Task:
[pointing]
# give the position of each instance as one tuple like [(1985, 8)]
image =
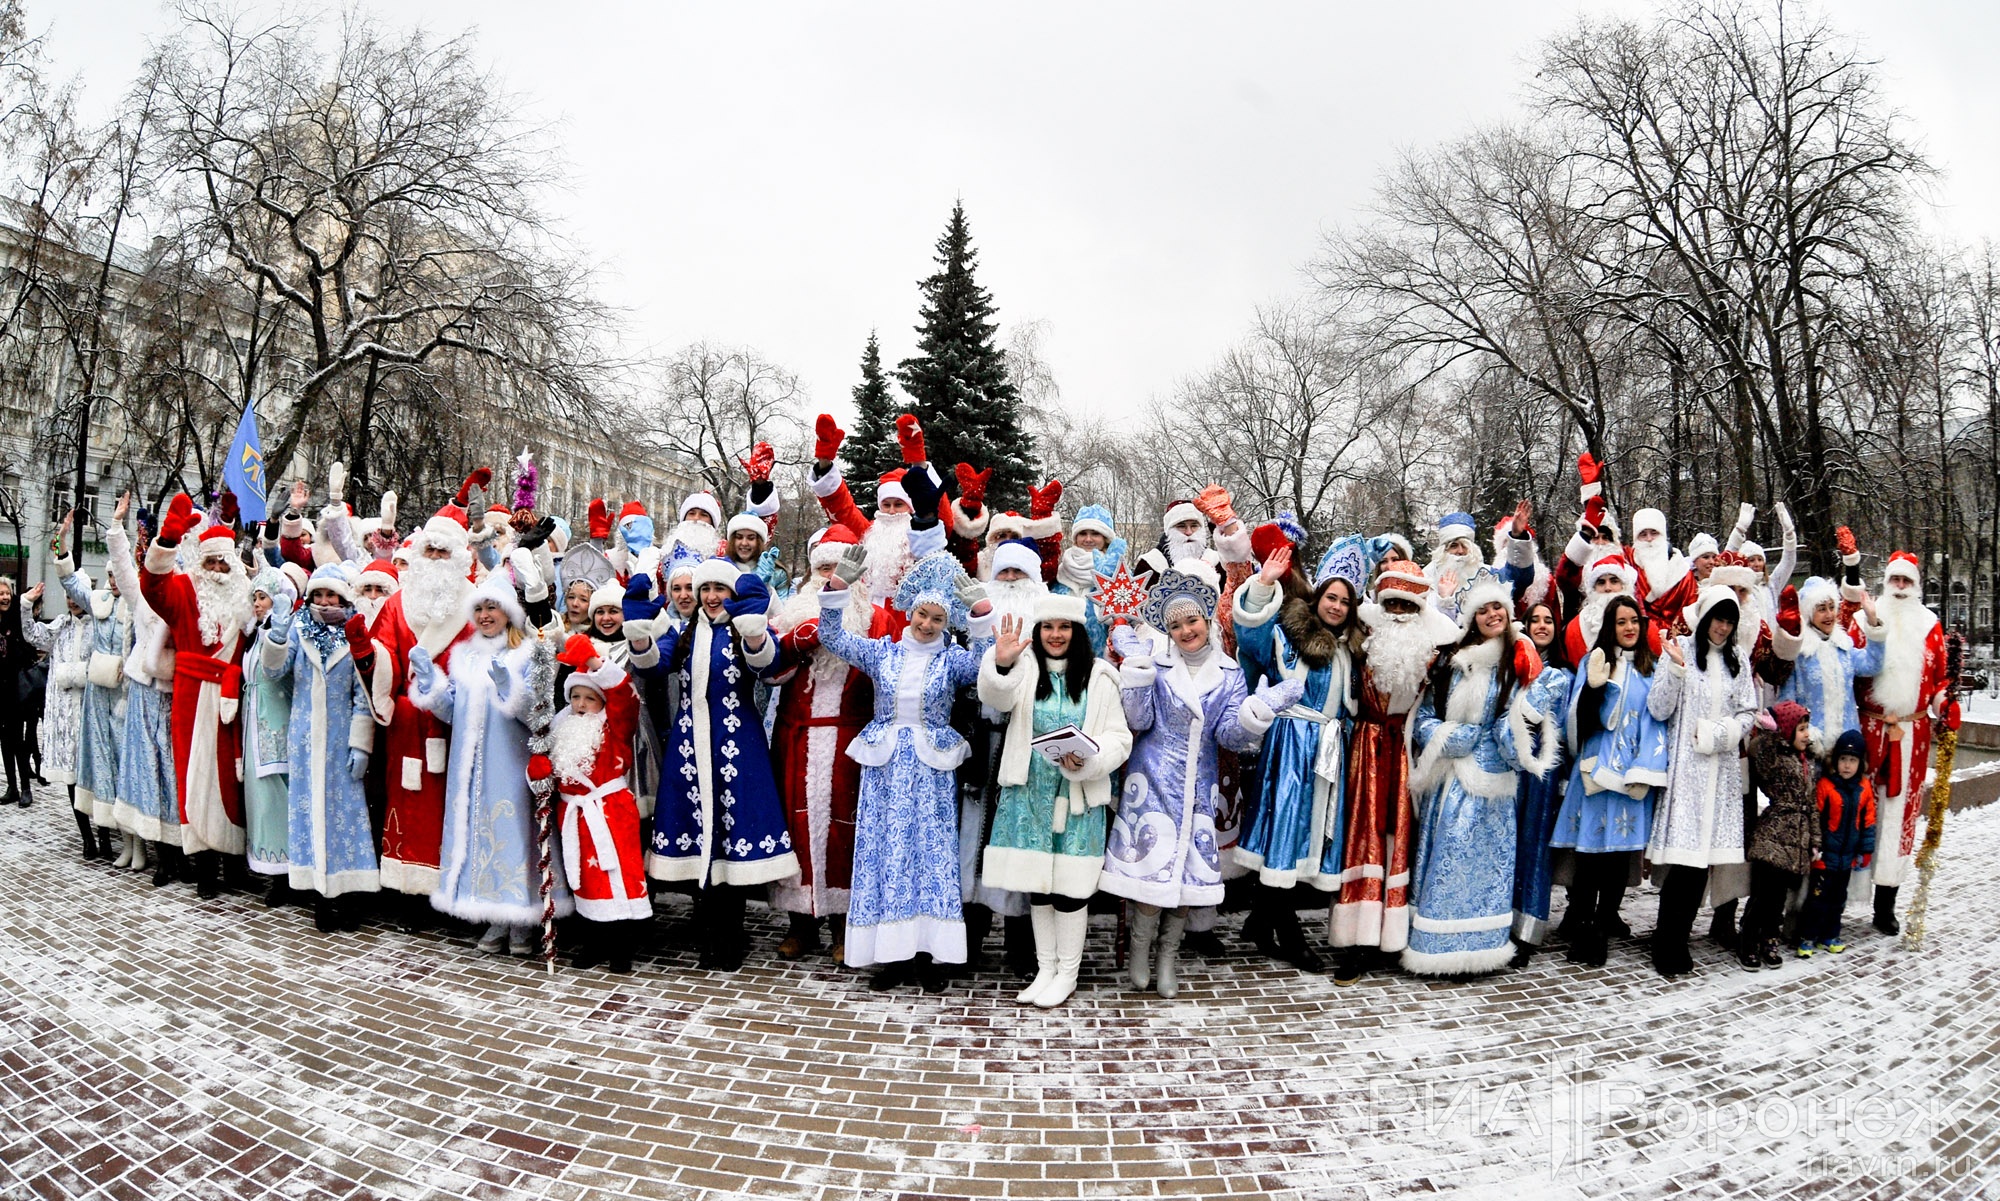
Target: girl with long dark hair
[(1621, 763), (1706, 689)]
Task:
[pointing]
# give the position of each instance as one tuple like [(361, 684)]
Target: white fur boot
[(1071, 931), (1044, 918)]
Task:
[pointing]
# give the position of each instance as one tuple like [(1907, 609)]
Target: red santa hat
[(1903, 565), (1733, 571), (380, 572), (632, 509), (1613, 564), (828, 545), (1179, 511), (1401, 575), (217, 540), (1267, 540), (890, 486)]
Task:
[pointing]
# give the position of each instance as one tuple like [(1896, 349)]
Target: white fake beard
[(1186, 546), (888, 545), (1906, 624), (434, 589), (223, 599), (1652, 557), (1017, 598), (1462, 566), (574, 743), (1590, 615), (1399, 651), (698, 536), (369, 607)]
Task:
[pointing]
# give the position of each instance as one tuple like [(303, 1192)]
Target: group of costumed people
[(957, 714)]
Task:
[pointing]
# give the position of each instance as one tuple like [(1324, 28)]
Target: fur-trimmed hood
[(1309, 636)]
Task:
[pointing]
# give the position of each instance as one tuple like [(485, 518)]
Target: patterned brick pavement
[(153, 1046)]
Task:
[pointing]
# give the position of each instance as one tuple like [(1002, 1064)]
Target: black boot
[(208, 874), (166, 864), (104, 850), (280, 893), (323, 916), (235, 873), (413, 914), (1722, 927), (1292, 945), (350, 911), (1018, 937), (89, 838), (978, 924), (589, 951), (1523, 952), (1258, 928), (1885, 910), (618, 939), (933, 977), (893, 975), (1746, 954), (706, 939), (1349, 964)]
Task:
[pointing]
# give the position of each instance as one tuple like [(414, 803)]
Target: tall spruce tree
[(957, 382), (871, 448)]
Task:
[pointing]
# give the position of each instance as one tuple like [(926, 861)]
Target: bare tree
[(385, 192), (711, 404)]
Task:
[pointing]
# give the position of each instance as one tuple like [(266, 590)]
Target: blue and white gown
[(1464, 779), (330, 845), (1537, 800), (1298, 790), (1822, 680), (1162, 850), (906, 899), (148, 803), (718, 819), (100, 728), (490, 856), (1619, 770)]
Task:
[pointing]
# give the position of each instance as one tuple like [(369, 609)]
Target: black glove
[(536, 534), (924, 493), (271, 528), (760, 491)]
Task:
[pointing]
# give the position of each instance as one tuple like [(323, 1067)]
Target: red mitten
[(827, 437), (179, 519), (972, 485), (1042, 501), (226, 508), (358, 644), (539, 767), (480, 478), (1216, 504), (805, 637), (758, 465), (910, 436), (1527, 662), (1590, 473), (1850, 551), (1788, 610), (600, 519)]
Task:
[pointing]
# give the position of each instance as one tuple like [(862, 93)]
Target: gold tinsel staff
[(1947, 749)]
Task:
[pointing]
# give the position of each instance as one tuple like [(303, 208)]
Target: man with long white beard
[(429, 610), (1457, 554), (207, 612), (823, 703), (698, 526), (1014, 585), (1898, 704), (886, 537), (1667, 585), (1405, 630)]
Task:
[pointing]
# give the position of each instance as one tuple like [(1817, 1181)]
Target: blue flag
[(243, 471)]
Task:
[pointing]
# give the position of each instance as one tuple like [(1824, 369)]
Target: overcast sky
[(1138, 177)]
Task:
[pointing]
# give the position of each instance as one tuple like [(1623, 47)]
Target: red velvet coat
[(414, 751), (208, 678)]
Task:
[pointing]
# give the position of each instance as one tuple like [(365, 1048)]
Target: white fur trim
[(826, 485), (971, 528), (748, 522), (892, 490), (1059, 607), (1176, 514), (1649, 519), (1523, 719), (1459, 963), (705, 502), (1091, 523), (716, 571), (1010, 554)]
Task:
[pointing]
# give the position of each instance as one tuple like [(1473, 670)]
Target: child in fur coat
[(1787, 835)]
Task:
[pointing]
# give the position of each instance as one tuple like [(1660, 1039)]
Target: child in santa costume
[(207, 611), (1898, 704), (590, 757)]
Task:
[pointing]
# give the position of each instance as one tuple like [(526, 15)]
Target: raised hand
[(1597, 669), (1217, 505), (1275, 567), (123, 507), (758, 465), (179, 519), (1844, 539), (1281, 695), (972, 485), (1524, 518), (1042, 501), (1126, 641), (300, 495), (910, 437), (336, 482), (1674, 652), (827, 438), (1009, 642), (423, 672), (503, 679)]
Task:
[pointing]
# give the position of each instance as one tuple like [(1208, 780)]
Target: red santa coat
[(604, 862), (1896, 705), (414, 752), (1666, 601), (825, 703), (208, 678)]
